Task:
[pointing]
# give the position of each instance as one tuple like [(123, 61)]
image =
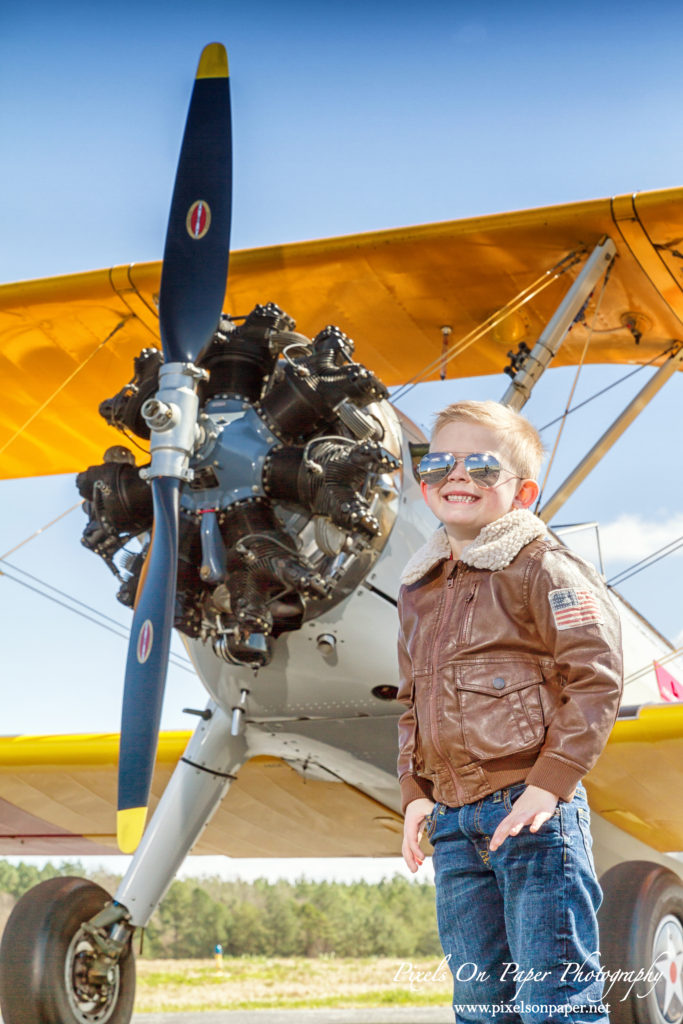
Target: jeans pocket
[(512, 793), (431, 821), (585, 830)]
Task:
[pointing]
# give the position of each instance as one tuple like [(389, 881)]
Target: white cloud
[(630, 538)]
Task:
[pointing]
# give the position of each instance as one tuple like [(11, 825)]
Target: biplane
[(266, 509)]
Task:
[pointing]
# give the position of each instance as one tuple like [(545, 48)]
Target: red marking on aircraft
[(145, 640), (198, 219), (669, 687)]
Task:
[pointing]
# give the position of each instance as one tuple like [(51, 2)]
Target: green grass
[(256, 983)]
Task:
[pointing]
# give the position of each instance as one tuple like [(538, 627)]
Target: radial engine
[(292, 491)]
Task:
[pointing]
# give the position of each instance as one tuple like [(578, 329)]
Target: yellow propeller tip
[(130, 824), (213, 62)]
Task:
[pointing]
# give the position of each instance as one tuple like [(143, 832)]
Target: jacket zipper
[(447, 605)]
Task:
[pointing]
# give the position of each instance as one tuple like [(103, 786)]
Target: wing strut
[(612, 434), (557, 328)]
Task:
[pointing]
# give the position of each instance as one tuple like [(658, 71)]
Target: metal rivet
[(499, 683)]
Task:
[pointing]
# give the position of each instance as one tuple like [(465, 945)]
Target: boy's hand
[(416, 812), (534, 807)]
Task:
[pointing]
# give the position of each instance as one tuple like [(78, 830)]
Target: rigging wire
[(632, 570), (74, 600), (178, 660), (41, 530), (609, 387), (62, 604), (182, 663), (62, 593), (523, 297), (633, 677)]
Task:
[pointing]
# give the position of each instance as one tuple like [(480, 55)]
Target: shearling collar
[(495, 546)]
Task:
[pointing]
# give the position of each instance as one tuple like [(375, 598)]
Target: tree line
[(394, 917)]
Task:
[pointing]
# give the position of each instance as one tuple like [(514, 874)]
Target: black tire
[(44, 953), (640, 919)]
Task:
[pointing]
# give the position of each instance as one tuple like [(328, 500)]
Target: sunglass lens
[(435, 466), (484, 469)]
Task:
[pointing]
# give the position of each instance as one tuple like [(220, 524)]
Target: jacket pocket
[(500, 708), (465, 631), (416, 758)]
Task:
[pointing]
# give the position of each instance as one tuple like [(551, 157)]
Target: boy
[(511, 673)]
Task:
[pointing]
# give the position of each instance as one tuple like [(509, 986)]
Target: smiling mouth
[(465, 499)]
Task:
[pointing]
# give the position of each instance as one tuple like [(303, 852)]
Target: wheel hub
[(92, 982), (667, 960)]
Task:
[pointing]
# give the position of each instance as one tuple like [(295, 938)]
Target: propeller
[(191, 297)]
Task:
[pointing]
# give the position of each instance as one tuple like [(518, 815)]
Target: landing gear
[(641, 932), (52, 970)]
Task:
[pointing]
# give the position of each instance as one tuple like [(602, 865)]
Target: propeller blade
[(148, 649), (191, 299), (198, 238)]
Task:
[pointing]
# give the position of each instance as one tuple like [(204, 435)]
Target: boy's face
[(463, 507)]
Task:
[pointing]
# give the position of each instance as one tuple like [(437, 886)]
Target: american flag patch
[(572, 607)]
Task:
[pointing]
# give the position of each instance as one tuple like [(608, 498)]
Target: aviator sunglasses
[(481, 467)]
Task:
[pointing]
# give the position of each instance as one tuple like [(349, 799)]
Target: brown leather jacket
[(510, 665)]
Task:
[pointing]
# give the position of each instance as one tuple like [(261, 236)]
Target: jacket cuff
[(412, 788), (556, 776)]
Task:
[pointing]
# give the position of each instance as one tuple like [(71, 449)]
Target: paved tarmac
[(389, 1015), (393, 1015)]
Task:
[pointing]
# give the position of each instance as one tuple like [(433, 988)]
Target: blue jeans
[(518, 925)]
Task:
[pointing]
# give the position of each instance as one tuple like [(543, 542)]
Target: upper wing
[(58, 796), (66, 343)]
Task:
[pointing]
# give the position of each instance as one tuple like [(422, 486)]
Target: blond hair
[(519, 439)]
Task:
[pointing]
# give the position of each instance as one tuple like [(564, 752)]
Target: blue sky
[(347, 117)]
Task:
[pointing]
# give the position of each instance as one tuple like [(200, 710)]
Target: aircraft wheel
[(46, 960), (641, 931)]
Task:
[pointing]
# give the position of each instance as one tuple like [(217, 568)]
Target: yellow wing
[(58, 797), (66, 343), (638, 772)]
